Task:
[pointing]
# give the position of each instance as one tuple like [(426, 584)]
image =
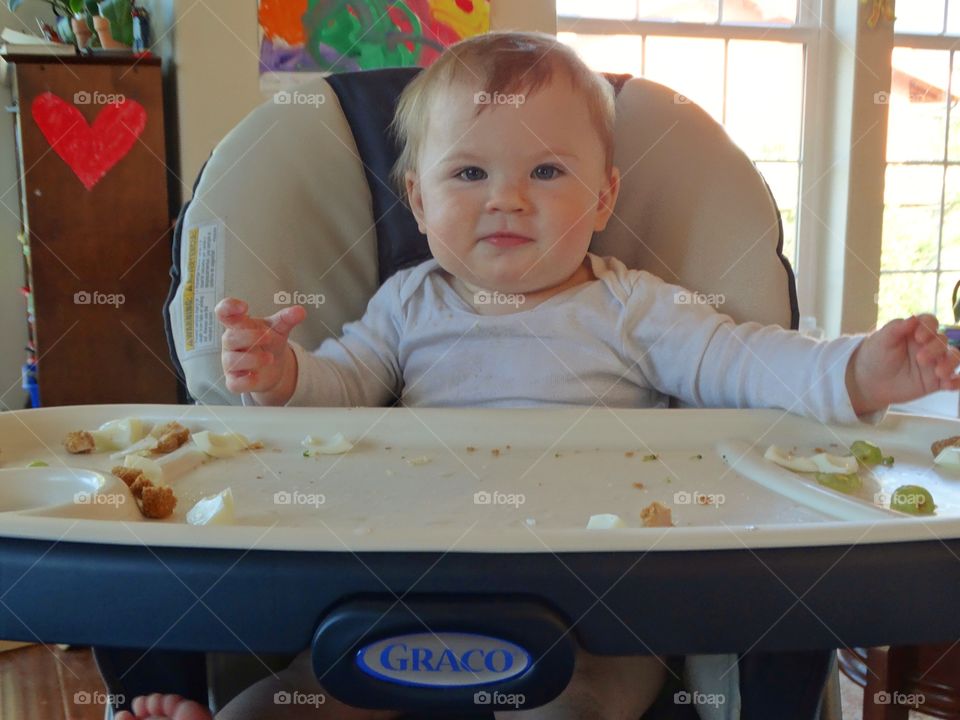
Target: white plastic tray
[(555, 468)]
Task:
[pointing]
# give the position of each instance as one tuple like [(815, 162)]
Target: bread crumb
[(656, 515), (79, 442)]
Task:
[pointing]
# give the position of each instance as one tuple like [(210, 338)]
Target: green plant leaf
[(77, 7), (121, 22)]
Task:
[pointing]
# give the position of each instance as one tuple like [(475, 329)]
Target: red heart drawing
[(89, 150)]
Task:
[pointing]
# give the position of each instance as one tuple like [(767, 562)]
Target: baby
[(509, 195)]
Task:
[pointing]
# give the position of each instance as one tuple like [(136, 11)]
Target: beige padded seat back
[(283, 206)]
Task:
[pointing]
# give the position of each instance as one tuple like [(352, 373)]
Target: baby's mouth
[(503, 239)]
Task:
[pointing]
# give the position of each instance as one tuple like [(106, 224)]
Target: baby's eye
[(547, 172), (471, 173)]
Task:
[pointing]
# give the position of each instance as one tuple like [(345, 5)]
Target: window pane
[(953, 18), (919, 16), (680, 10), (608, 53), (903, 294), (911, 217), (765, 98), (918, 104), (691, 66), (953, 142), (609, 9), (950, 251), (757, 11), (783, 179), (945, 297)]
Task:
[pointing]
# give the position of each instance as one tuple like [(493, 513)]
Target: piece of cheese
[(821, 462), (337, 445), (220, 445), (213, 510)]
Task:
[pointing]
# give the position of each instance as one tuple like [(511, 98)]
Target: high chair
[(296, 202)]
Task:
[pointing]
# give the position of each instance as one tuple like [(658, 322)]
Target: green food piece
[(847, 483), (866, 452), (698, 456), (887, 461), (648, 458), (37, 463), (306, 453), (913, 499)]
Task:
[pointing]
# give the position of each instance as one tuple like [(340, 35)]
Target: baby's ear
[(414, 198), (607, 199)]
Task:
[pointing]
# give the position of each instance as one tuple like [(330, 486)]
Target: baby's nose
[(508, 197)]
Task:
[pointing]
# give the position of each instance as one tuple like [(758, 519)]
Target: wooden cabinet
[(97, 226)]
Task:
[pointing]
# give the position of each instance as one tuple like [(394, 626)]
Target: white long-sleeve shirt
[(626, 339)]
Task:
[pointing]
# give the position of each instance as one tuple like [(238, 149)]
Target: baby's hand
[(256, 356), (902, 361)]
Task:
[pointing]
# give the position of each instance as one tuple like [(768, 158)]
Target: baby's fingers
[(258, 334), (245, 361), (231, 312)]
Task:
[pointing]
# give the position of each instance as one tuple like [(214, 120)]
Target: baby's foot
[(168, 707)]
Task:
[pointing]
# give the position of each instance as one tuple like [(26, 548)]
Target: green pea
[(866, 452), (847, 483), (37, 463), (887, 461), (913, 499)]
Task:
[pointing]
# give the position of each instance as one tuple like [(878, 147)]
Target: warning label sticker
[(202, 288)]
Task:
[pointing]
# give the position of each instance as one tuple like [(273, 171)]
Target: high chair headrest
[(295, 205)]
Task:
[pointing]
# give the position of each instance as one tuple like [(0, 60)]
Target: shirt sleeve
[(700, 356), (359, 368)]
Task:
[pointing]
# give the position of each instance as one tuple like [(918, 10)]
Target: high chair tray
[(478, 502)]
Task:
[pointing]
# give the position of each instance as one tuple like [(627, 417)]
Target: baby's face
[(533, 169)]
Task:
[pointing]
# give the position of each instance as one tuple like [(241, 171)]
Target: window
[(827, 126), (743, 61), (920, 252)]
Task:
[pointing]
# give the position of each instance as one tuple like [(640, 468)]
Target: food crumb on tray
[(656, 515), (79, 442)]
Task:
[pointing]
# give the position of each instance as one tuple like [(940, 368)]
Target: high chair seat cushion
[(299, 196)]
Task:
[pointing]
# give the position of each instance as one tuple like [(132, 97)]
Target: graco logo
[(443, 659)]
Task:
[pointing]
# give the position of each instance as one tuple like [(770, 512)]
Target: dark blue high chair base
[(787, 686)]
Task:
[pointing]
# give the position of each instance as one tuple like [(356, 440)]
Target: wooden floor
[(44, 682)]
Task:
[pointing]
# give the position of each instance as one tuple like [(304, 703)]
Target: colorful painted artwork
[(345, 35)]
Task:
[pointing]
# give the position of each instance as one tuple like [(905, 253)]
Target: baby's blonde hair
[(508, 63)]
